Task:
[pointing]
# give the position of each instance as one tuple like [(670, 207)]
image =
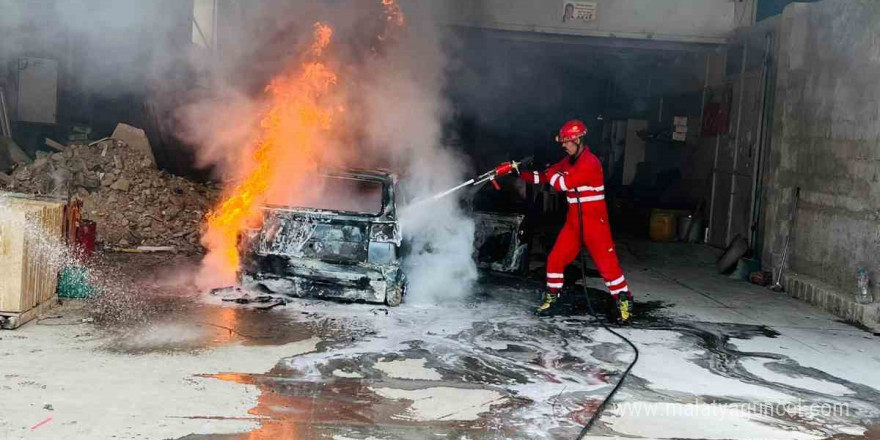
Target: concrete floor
[(720, 359)]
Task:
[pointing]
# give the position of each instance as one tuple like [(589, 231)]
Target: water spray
[(501, 170)]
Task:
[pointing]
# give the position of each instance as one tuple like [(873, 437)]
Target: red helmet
[(572, 130)]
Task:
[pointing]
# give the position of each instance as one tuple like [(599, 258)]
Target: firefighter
[(579, 177)]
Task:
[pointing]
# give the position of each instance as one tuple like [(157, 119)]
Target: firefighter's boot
[(623, 309), (549, 304)]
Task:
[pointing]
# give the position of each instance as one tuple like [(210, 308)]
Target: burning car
[(349, 246), (345, 247)]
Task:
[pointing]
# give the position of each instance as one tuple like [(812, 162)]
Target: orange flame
[(323, 34), (301, 107), (293, 126), (393, 13)]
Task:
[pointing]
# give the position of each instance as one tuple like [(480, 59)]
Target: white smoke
[(221, 126), (105, 47), (394, 86), (440, 265), (397, 93), (407, 110)]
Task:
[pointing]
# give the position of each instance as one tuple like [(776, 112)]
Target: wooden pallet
[(11, 321), (28, 278)]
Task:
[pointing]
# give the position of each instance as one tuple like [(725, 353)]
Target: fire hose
[(505, 169), (601, 408)]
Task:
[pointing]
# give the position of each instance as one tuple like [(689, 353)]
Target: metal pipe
[(714, 184), (761, 140), (660, 111), (705, 92), (714, 180), (202, 34), (736, 139), (214, 23), (5, 127), (754, 12)]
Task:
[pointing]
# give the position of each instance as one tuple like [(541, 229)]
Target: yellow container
[(663, 226)]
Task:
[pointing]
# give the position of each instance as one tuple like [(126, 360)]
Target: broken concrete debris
[(55, 145), (133, 203), (136, 139)]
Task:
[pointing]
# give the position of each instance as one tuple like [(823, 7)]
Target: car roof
[(366, 174)]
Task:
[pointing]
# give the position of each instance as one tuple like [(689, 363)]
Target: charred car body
[(345, 252), (349, 246), (499, 242)]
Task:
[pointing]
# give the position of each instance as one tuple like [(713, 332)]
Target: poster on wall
[(574, 11), (680, 128)]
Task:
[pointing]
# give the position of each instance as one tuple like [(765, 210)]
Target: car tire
[(394, 295), (524, 264)]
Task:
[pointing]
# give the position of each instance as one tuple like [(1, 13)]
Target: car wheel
[(523, 269), (394, 295)]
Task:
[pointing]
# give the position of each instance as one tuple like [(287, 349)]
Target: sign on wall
[(578, 11), (681, 128), (37, 90)]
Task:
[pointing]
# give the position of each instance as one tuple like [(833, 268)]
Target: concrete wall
[(672, 20), (826, 140), (770, 8)]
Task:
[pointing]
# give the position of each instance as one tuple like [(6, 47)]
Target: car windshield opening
[(338, 193)]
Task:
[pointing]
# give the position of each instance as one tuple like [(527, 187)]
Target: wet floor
[(543, 378), (539, 377), (872, 433), (152, 311), (481, 368), (349, 406), (406, 372), (185, 326)]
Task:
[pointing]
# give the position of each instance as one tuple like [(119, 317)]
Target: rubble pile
[(133, 203)]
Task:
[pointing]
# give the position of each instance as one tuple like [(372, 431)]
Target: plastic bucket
[(85, 238), (662, 226), (684, 222)]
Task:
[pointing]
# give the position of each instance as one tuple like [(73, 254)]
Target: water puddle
[(183, 325), (291, 407)]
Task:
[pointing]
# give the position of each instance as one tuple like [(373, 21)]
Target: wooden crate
[(28, 262), (11, 321)]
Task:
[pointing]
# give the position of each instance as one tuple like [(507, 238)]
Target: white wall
[(707, 21)]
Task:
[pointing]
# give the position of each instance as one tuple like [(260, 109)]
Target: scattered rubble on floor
[(133, 203)]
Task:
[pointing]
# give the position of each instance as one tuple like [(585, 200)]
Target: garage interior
[(151, 153)]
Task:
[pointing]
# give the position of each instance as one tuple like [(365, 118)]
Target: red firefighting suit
[(583, 183)]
